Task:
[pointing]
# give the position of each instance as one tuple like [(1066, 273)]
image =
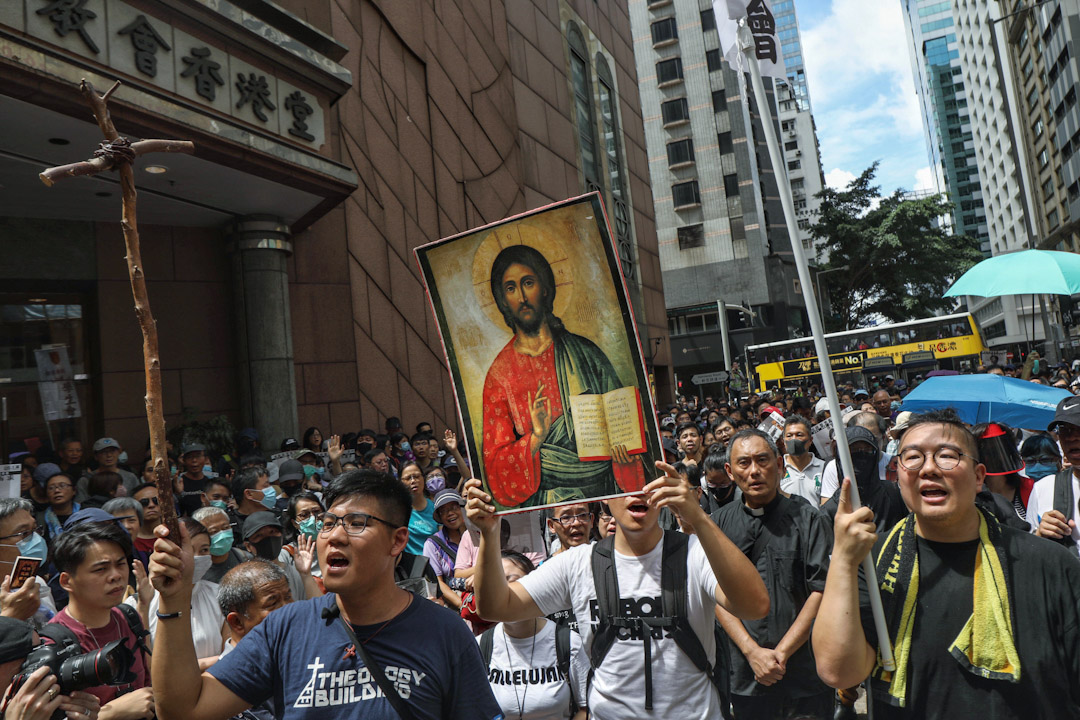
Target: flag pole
[(747, 47)]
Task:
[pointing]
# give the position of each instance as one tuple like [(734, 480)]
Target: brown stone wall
[(459, 115), (187, 273)]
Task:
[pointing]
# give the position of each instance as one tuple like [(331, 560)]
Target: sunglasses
[(148, 501)]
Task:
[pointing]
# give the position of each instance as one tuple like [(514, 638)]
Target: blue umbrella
[(986, 398), (1028, 272)]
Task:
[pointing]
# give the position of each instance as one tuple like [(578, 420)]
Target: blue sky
[(859, 71)]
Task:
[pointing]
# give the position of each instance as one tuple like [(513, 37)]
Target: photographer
[(94, 560), (38, 695)]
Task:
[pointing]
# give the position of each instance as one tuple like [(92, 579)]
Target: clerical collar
[(762, 511)]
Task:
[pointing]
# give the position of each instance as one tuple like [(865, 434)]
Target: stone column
[(260, 246)]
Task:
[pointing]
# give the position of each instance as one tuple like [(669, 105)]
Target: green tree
[(899, 258)]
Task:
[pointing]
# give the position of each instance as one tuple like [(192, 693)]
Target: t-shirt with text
[(524, 675)]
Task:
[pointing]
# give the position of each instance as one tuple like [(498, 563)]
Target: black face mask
[(291, 489), (865, 467), (796, 447), (268, 548)]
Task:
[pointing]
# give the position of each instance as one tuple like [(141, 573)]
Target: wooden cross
[(118, 153)]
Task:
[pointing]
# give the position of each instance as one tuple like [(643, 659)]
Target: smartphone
[(25, 569)]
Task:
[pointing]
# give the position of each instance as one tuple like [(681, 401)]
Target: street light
[(821, 303), (722, 308)]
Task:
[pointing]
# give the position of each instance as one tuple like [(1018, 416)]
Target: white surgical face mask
[(201, 566)]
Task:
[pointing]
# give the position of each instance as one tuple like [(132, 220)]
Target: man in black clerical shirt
[(772, 666), (984, 619)]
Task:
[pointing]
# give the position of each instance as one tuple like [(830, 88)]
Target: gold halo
[(543, 238)]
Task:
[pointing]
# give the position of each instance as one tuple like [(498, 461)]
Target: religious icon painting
[(539, 335)]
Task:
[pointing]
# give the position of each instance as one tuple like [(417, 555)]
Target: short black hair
[(752, 433), (714, 460), (69, 549), (422, 424), (797, 420), (521, 560), (390, 493), (949, 418), (420, 437), (142, 486), (218, 481), (686, 426), (371, 455), (246, 479), (692, 472), (367, 431)]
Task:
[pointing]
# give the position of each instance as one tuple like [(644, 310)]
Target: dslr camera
[(76, 670)]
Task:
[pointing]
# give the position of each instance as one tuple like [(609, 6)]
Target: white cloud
[(924, 179), (839, 179)]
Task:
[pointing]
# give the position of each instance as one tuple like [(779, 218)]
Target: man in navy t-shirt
[(302, 656)]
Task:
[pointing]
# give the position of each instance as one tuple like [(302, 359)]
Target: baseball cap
[(249, 433), (302, 452), (289, 444), (88, 515), (290, 470), (860, 434), (1068, 412), (256, 521), (193, 447), (668, 422), (889, 377), (902, 421), (445, 497), (43, 472), (822, 406), (769, 409), (16, 639), (861, 391), (105, 442)]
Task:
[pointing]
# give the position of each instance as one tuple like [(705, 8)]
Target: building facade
[(946, 115), (331, 139), (719, 222)]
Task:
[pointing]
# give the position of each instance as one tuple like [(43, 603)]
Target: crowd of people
[(367, 575)]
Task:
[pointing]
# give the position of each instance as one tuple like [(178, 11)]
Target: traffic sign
[(713, 377)]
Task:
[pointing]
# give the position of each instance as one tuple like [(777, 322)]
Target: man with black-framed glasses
[(984, 620), (1053, 509), (572, 525), (329, 656), (18, 536)]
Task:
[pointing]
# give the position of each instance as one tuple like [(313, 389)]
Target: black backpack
[(63, 635), (673, 586), (562, 655)]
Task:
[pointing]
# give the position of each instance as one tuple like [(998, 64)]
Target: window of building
[(674, 111), (719, 101), (800, 204), (724, 141), (669, 70), (791, 145), (664, 31), (794, 164), (1044, 158), (685, 194), (712, 59), (620, 210), (1048, 189), (708, 19), (1052, 219), (583, 106), (798, 184), (1029, 67), (1037, 128), (691, 236), (680, 151), (804, 224), (731, 185)]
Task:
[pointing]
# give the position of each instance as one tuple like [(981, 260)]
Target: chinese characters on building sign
[(129, 41)]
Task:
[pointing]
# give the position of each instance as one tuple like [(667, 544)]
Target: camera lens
[(107, 666)]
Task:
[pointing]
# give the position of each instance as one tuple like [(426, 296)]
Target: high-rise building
[(939, 83), (720, 224), (1002, 159), (331, 140), (798, 132)]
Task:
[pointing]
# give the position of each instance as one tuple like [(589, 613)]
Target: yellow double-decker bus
[(903, 350)]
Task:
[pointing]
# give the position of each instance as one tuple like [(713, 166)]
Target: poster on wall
[(544, 355), (56, 384)]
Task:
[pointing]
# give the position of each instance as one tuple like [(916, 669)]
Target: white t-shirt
[(206, 618), (524, 675), (680, 690), (829, 482), (1041, 501), (806, 482)]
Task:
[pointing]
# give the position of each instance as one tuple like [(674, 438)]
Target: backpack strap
[(60, 634), (135, 623), (487, 645), (1064, 502), (562, 660), (445, 547), (673, 585)]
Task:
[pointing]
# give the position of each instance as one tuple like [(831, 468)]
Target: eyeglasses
[(354, 523), (946, 458), (148, 501), (568, 520), (305, 514), (1040, 459), (20, 535)]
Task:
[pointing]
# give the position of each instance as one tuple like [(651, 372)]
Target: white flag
[(762, 23)]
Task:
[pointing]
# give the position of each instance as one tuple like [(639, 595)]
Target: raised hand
[(854, 532), (334, 449), (20, 603), (450, 440), (305, 554), (478, 507), (673, 490), (539, 413), (171, 567)]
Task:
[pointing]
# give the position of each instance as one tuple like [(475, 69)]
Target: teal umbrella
[(1034, 272)]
